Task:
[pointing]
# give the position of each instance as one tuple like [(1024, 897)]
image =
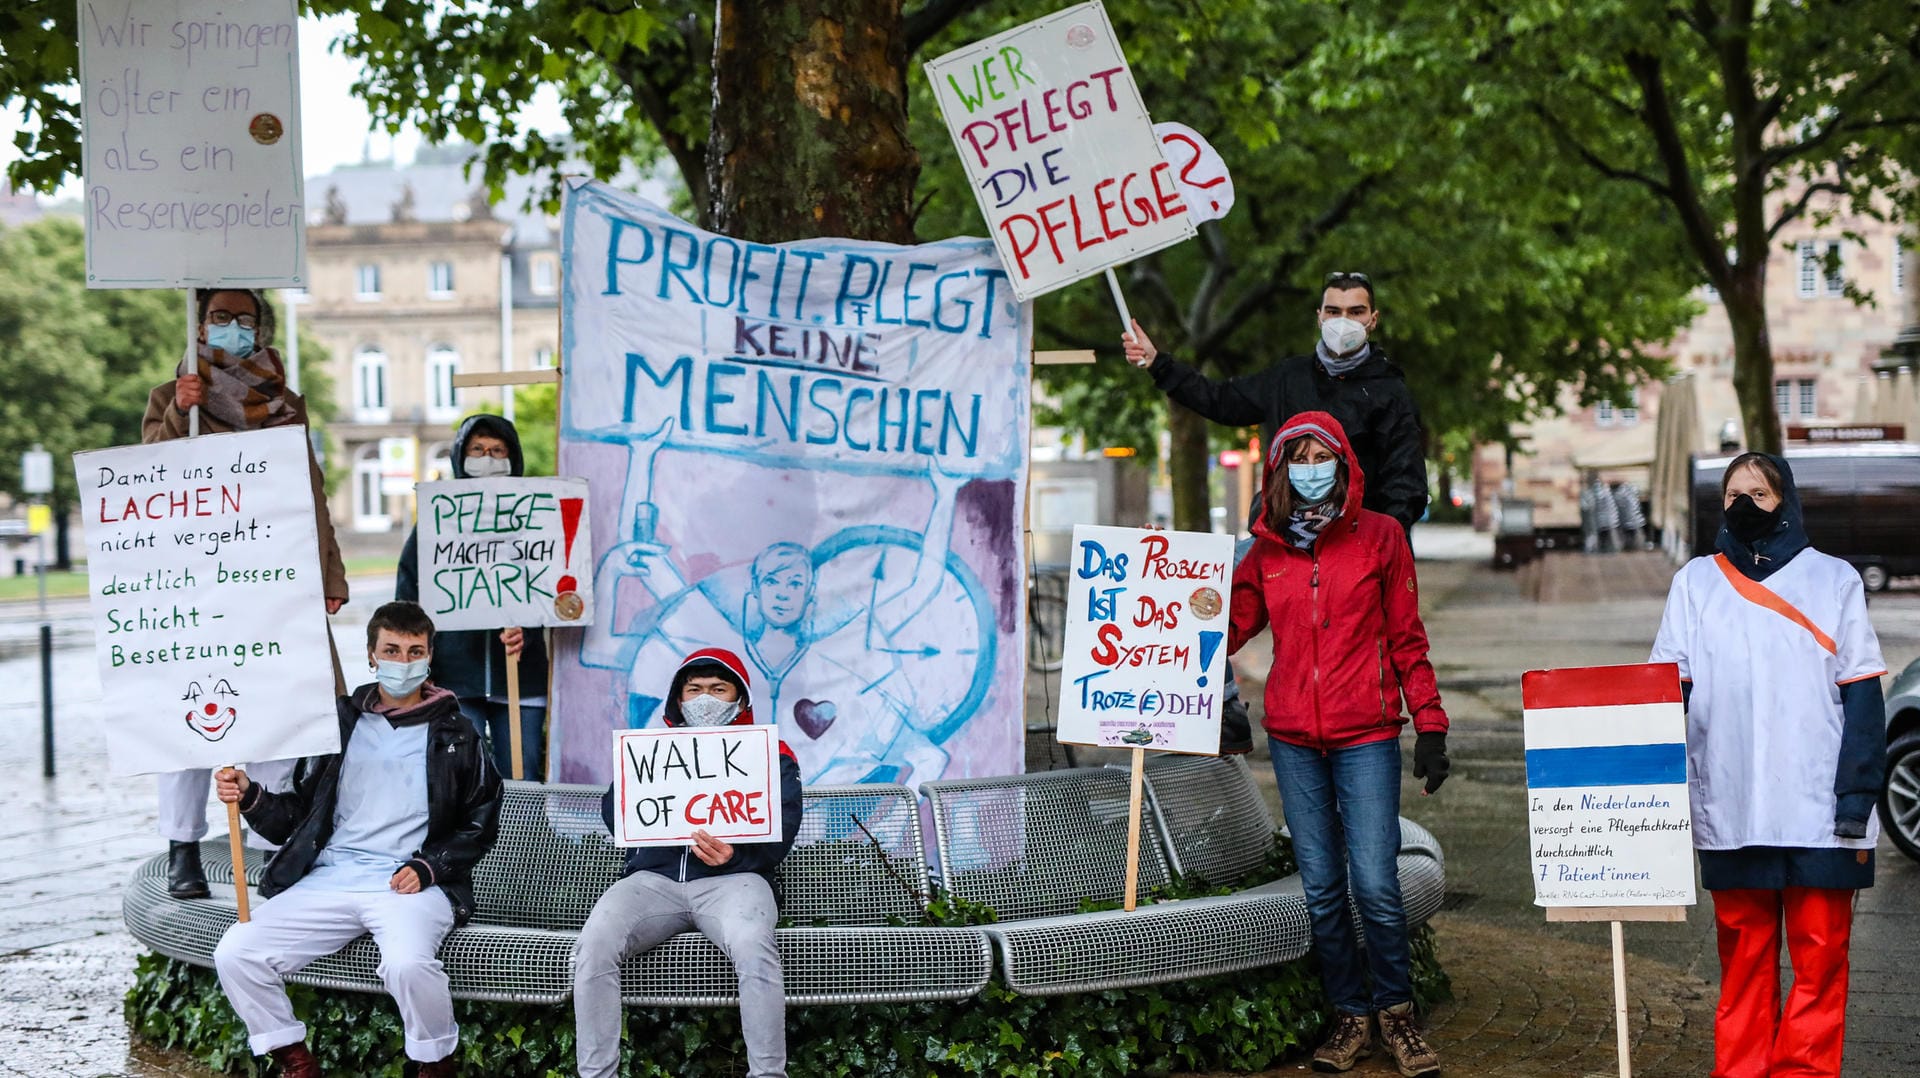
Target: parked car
[(1900, 799), (1861, 501)]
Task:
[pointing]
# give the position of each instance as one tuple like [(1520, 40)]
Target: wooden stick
[(239, 859), (506, 378), (193, 413), (1620, 999), (513, 715), (1133, 827), (1049, 359), (1120, 303)]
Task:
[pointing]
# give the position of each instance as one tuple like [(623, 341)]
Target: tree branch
[(1592, 159), (1263, 294), (1695, 221), (932, 17), (1793, 210), (650, 79)]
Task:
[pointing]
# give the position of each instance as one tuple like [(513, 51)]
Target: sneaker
[(1410, 1051), (1349, 1042), (185, 878)]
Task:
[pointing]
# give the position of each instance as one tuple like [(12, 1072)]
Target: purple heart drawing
[(814, 719)]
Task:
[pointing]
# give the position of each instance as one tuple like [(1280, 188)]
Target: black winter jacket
[(1372, 403), (463, 804), (679, 863)]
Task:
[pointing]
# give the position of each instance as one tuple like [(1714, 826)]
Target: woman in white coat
[(1785, 756)]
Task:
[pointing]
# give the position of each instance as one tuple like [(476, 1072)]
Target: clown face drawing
[(212, 714)]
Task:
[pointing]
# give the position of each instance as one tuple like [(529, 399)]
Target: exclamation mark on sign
[(1209, 643), (566, 601)]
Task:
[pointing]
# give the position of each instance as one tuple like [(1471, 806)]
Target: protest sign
[(1145, 654), (496, 553), (190, 114), (1060, 151), (204, 574), (1205, 184), (724, 780), (812, 455), (1607, 800)]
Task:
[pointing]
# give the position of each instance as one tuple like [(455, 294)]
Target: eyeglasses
[(497, 452), (227, 318), (1348, 275)]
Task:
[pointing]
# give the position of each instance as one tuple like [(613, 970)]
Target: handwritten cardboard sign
[(204, 574), (724, 780), (1145, 659), (190, 113), (1060, 151), (1607, 786), (1205, 183), (502, 552)]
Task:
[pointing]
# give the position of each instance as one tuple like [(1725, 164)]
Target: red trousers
[(1752, 1036)]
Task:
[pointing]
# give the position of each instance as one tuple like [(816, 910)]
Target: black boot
[(184, 876)]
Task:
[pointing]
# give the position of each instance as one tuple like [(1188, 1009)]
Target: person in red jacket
[(1335, 584)]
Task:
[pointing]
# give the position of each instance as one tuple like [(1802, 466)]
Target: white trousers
[(184, 795), (304, 923)]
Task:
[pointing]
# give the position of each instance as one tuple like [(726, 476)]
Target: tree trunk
[(809, 133), (1187, 469), (1746, 307)]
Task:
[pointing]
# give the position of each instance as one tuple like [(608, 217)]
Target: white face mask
[(1342, 335), (488, 467), (707, 710)]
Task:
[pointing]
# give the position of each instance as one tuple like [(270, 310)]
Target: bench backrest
[(1216, 825), (1042, 844)]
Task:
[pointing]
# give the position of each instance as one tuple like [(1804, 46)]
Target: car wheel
[(1900, 800), (1874, 577)]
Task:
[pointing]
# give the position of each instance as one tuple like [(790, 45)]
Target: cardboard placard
[(511, 551), (724, 780), (204, 573), (1145, 659)]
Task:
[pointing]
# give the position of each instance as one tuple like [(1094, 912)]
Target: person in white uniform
[(1781, 672), (381, 837)]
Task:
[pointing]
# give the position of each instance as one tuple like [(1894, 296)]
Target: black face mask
[(1749, 523)]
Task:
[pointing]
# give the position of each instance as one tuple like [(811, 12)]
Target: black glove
[(1850, 828), (1430, 759), (1236, 733)]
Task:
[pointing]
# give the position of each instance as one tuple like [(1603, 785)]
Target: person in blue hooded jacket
[(1780, 670)]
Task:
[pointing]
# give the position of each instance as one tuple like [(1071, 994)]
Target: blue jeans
[(489, 717), (1343, 807)]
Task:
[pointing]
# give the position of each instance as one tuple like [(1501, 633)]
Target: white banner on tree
[(723, 780), (204, 573), (190, 133), (502, 552), (1060, 151), (1145, 654)]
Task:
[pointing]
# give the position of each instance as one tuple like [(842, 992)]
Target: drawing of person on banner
[(862, 681)]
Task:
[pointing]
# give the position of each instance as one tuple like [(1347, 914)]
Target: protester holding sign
[(1781, 673), (1335, 583), (722, 890), (472, 663), (237, 380), (1347, 375), (380, 838)]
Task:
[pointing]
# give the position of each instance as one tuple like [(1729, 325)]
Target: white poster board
[(1060, 151), (204, 575), (1145, 655), (495, 553), (1607, 811), (1205, 184), (724, 780), (190, 114)]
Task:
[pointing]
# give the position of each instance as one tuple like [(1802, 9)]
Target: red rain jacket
[(1348, 644)]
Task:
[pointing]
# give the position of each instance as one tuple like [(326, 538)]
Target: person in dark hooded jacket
[(472, 663), (1780, 671), (721, 890), (1335, 584)]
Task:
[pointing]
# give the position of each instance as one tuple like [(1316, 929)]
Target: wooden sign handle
[(239, 852), (513, 715), (1620, 1000), (1133, 827)]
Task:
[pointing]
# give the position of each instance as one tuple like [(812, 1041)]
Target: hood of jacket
[(704, 657), (1328, 430), (1761, 559), (494, 426), (434, 702)]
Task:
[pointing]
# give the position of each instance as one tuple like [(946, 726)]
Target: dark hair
[(1280, 493), (262, 311), (1761, 463), (1349, 280), (403, 618)]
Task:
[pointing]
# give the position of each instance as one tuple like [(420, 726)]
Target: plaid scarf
[(1308, 521), (246, 392)]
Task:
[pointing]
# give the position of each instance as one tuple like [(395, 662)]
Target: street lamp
[(36, 481)]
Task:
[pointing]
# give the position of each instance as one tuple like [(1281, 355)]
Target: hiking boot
[(1410, 1051), (185, 878), (1349, 1042), (294, 1061)]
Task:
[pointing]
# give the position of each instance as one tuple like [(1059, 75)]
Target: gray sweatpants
[(645, 909)]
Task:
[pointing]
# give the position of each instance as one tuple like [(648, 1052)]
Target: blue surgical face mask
[(401, 679), (233, 338), (1313, 481)]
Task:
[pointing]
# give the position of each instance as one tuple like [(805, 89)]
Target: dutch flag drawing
[(1605, 726)]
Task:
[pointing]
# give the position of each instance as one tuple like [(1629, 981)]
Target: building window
[(366, 282), (439, 280), (546, 275), (369, 507), (1630, 412), (370, 386), (1603, 414), (1796, 398), (1815, 278), (1806, 396), (543, 358), (1609, 413), (443, 400), (1899, 265)]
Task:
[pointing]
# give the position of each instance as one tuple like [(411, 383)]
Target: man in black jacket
[(716, 888), (1347, 377), (380, 837)]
